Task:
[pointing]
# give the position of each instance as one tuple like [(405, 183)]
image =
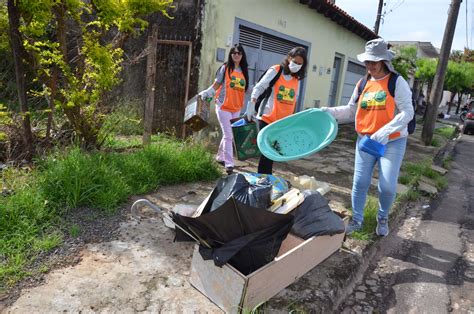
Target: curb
[(323, 289)]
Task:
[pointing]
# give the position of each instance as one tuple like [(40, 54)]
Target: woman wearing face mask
[(283, 97), (229, 87)]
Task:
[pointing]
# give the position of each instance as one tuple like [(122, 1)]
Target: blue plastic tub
[(298, 135), (372, 147)]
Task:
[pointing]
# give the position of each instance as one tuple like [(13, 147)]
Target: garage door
[(264, 50), (353, 74)]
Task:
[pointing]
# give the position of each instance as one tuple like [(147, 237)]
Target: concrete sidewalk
[(144, 270)]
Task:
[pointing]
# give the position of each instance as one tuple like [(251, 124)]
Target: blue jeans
[(389, 169)]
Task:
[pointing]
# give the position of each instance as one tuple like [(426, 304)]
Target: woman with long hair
[(281, 101), (229, 87)]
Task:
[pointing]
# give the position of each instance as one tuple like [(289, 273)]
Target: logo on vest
[(374, 100), (237, 83), (286, 95)]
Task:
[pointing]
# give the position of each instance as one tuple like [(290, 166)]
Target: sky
[(414, 20)]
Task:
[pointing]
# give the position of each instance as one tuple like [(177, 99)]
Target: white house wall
[(284, 16)]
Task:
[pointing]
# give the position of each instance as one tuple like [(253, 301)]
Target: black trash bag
[(243, 236), (255, 195), (314, 217)]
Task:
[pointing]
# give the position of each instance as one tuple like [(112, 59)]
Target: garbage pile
[(247, 216)]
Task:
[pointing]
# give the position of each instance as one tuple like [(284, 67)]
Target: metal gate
[(173, 66), (353, 74)]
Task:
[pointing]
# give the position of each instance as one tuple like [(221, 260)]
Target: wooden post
[(188, 75), (150, 86)]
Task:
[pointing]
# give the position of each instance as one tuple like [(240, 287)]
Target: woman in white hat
[(382, 110)]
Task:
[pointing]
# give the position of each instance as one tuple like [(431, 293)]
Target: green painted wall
[(285, 16)]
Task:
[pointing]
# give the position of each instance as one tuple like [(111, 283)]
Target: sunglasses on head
[(236, 53)]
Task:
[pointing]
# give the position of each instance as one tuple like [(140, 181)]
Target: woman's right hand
[(250, 112)]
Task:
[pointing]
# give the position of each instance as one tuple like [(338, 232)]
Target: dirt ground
[(139, 267)]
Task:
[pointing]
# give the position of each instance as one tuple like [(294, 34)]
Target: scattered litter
[(425, 206)]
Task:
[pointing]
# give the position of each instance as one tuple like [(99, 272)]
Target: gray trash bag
[(314, 217)]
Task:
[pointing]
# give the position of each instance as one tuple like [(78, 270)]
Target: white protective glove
[(250, 112), (323, 108), (207, 93), (380, 136)]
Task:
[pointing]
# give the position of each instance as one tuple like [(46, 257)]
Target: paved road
[(427, 265)]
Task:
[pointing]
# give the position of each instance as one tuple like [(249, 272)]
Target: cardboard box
[(196, 114), (234, 292)]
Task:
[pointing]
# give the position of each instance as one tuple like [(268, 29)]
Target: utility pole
[(379, 15), (438, 82)]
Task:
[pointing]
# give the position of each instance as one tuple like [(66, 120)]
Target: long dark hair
[(243, 63), (296, 52)]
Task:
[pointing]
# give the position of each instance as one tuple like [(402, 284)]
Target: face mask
[(294, 67)]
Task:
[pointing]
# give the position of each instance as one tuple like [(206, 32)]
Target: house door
[(353, 74), (264, 50), (334, 81)]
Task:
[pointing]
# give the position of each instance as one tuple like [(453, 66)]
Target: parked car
[(469, 122)]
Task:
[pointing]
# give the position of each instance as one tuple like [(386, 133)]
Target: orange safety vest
[(284, 99), (234, 91), (376, 108)]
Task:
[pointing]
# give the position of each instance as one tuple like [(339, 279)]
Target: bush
[(125, 119)]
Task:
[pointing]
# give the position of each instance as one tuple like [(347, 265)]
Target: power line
[(395, 6)]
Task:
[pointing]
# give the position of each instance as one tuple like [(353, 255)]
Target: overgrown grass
[(409, 196), (446, 132), (412, 172), (370, 220), (435, 141), (31, 217), (447, 162)]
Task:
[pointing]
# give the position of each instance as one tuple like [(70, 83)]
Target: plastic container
[(372, 147), (298, 135), (240, 122)]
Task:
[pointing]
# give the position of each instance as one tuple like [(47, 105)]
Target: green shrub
[(125, 118)]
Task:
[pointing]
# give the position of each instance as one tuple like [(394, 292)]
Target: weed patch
[(370, 220), (31, 216), (446, 132)]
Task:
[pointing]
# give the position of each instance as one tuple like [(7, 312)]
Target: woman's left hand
[(379, 137)]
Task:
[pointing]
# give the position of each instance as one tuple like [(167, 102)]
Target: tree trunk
[(438, 83), (459, 103), (87, 132), (451, 101), (428, 104), (14, 21)]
